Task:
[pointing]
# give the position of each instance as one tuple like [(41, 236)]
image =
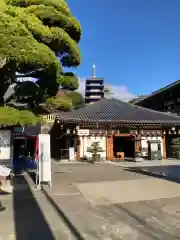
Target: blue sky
[(135, 44)]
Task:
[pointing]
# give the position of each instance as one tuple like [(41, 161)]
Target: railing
[(50, 118)]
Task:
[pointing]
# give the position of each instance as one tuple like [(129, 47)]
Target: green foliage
[(18, 45), (60, 5), (27, 118), (59, 103), (137, 99), (69, 81), (2, 5), (54, 17), (33, 31), (48, 82), (32, 34), (10, 116), (76, 98), (95, 148)]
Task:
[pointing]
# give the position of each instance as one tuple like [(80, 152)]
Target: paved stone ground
[(64, 212), (86, 172), (168, 169), (133, 190), (147, 163)]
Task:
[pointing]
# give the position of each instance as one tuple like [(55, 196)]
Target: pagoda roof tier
[(114, 111)]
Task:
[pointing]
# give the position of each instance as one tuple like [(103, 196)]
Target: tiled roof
[(116, 111), (163, 89)]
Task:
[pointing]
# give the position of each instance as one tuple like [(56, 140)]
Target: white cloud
[(122, 92), (82, 82), (119, 91)]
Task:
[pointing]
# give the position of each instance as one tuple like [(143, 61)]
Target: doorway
[(60, 146), (172, 146), (125, 145), (24, 153)]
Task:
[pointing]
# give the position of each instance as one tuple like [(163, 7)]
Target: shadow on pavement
[(170, 173), (62, 216), (28, 218)]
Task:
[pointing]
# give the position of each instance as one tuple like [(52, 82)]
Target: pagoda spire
[(94, 71)]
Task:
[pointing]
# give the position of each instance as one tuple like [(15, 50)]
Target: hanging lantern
[(62, 126), (169, 132), (77, 128), (68, 131), (74, 131), (164, 132)]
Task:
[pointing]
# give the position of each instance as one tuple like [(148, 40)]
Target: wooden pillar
[(137, 145), (164, 146), (110, 153), (78, 148)]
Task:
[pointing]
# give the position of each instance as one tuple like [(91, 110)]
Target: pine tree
[(38, 38)]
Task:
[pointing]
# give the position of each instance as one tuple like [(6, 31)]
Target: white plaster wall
[(144, 143), (5, 145), (5, 148), (87, 141)]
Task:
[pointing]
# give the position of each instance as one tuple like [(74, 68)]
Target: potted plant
[(95, 149)]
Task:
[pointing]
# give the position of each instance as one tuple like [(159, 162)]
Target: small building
[(166, 99), (16, 143), (123, 131)]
